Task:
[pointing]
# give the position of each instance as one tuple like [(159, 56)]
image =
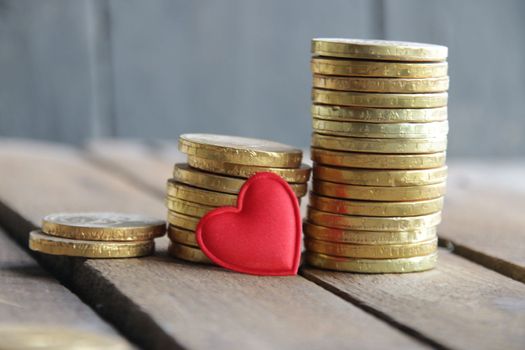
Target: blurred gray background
[(74, 70)]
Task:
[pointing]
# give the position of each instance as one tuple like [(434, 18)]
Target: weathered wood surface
[(458, 305), (160, 302), (483, 217), (29, 296)]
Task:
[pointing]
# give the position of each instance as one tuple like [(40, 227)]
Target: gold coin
[(367, 237), (362, 68), (401, 265), (367, 177), (183, 221), (379, 193), (182, 236), (188, 253), (391, 251), (379, 115), (366, 208), (200, 196), (378, 49), (103, 226), (187, 208), (371, 145), (40, 242), (365, 99), (399, 85), (41, 337), (240, 150), (372, 223), (378, 161), (292, 175), (389, 131), (190, 176)]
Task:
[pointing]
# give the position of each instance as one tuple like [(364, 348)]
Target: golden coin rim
[(199, 195), (337, 235), (379, 115), (390, 85), (182, 236), (292, 175), (401, 265), (186, 207), (377, 145), (373, 223), (187, 253), (39, 241)]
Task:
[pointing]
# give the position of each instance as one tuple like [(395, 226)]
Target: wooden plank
[(483, 216), (163, 303), (480, 34), (460, 305), (29, 296), (415, 309), (51, 77)]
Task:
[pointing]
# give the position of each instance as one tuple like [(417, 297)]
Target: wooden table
[(474, 299)]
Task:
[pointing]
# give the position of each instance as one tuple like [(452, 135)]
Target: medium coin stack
[(217, 168), (97, 235), (378, 145)]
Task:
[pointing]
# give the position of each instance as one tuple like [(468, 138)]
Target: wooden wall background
[(74, 70)]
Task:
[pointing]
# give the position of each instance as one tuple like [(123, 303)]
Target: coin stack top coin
[(379, 118), (97, 235), (217, 167)]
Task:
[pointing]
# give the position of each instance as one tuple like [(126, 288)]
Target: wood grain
[(483, 214), (460, 304), (30, 296), (163, 303)]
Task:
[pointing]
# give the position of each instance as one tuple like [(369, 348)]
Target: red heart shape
[(262, 235)]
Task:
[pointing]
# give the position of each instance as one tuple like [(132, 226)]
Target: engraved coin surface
[(103, 226)]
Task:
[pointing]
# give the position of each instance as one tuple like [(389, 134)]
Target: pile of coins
[(97, 235), (380, 135), (217, 168)]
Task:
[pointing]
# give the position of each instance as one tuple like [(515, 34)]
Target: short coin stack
[(217, 168), (378, 146), (97, 235)]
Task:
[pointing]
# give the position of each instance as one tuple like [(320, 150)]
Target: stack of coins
[(97, 235), (217, 167), (378, 146)]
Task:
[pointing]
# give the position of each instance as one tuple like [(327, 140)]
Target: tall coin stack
[(380, 135), (217, 168)]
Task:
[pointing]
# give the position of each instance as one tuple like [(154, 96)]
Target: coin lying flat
[(376, 251), (371, 177), (188, 208), (373, 208), (378, 49), (401, 265), (188, 253), (365, 99), (199, 195), (182, 236), (194, 177), (377, 145), (399, 85), (40, 242), (103, 226), (371, 223), (378, 161), (367, 237), (379, 115), (240, 150), (292, 175), (183, 221), (379, 193), (382, 131), (40, 337), (361, 68)]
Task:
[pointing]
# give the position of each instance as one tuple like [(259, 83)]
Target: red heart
[(262, 235)]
